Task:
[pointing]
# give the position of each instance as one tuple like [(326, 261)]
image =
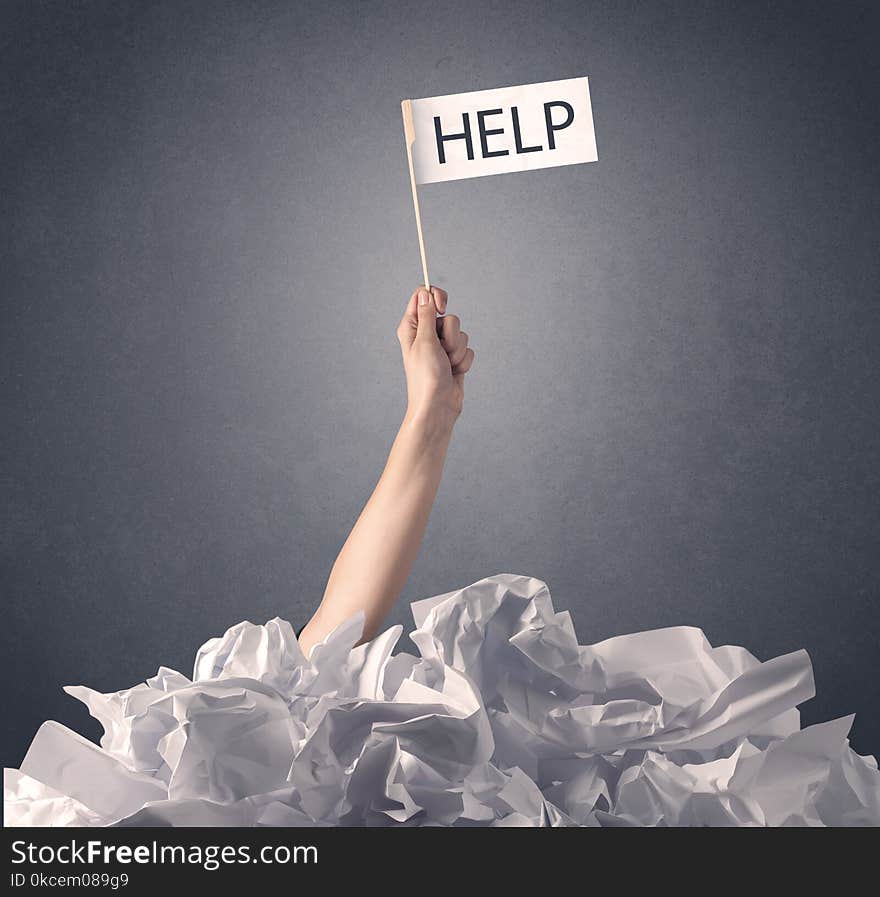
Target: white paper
[(501, 719), (508, 129)]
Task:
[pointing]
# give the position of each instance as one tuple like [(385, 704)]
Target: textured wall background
[(207, 240)]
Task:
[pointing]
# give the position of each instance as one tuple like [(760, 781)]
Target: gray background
[(207, 240)]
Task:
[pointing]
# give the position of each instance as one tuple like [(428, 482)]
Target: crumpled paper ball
[(502, 719)]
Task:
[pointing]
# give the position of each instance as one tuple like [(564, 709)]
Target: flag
[(467, 135)]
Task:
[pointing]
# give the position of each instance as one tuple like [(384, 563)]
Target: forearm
[(377, 557)]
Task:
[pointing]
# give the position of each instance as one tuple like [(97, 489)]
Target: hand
[(370, 571), (435, 357)]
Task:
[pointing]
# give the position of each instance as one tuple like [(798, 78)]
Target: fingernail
[(423, 297)]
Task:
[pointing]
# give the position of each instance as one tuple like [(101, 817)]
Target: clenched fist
[(435, 357)]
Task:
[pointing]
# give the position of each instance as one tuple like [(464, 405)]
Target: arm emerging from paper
[(377, 557)]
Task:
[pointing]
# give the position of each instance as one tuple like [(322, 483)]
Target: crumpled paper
[(502, 719)]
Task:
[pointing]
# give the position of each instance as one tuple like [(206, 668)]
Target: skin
[(376, 559)]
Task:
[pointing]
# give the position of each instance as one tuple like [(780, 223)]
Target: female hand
[(435, 357), (379, 553)]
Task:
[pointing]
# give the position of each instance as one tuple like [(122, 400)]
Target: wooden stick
[(409, 133)]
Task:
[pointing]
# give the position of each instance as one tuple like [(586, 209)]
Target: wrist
[(430, 424)]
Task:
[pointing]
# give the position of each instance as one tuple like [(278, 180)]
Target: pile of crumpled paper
[(502, 719)]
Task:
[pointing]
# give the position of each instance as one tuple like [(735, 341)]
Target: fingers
[(409, 323), (459, 350), (453, 339), (427, 316), (465, 364), (449, 328), (440, 299)]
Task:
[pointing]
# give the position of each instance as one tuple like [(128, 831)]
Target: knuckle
[(450, 331)]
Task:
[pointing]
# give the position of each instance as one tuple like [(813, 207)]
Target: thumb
[(427, 312)]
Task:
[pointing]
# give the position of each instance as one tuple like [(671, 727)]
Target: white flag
[(469, 135)]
